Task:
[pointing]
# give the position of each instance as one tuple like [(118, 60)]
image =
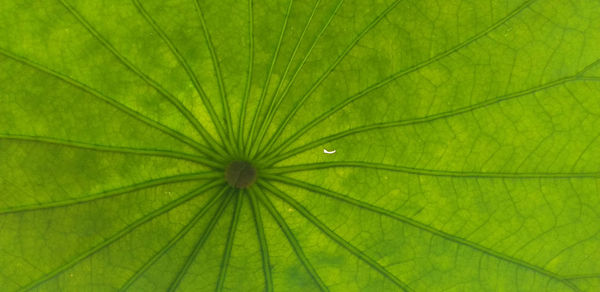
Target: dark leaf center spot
[(240, 174)]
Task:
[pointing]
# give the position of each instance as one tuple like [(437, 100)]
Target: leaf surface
[(466, 137)]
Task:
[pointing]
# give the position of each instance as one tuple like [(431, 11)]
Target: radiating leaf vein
[(172, 99), (291, 239), (335, 237), (421, 226), (113, 238), (141, 270), (277, 156), (190, 72), (111, 101), (200, 242), (114, 149)]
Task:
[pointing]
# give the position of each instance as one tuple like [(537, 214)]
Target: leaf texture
[(462, 145)]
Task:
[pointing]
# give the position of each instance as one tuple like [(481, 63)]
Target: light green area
[(467, 138)]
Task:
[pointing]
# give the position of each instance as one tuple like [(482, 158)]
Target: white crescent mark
[(328, 152)]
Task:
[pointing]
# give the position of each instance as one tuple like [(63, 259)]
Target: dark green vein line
[(188, 69), (588, 67), (172, 242), (114, 192), (229, 244), (218, 73), (199, 244), (327, 72), (276, 157), (167, 95), (242, 121), (335, 237), (263, 94), (418, 225), (292, 240), (114, 149), (300, 66), (400, 74), (262, 240), (269, 115), (565, 248), (123, 108), (431, 172), (113, 238), (581, 276)]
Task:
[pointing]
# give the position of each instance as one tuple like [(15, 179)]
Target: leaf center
[(240, 174)]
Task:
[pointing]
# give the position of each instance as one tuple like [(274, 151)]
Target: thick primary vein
[(431, 172), (114, 103), (172, 99), (217, 70), (242, 122), (400, 74), (114, 149), (199, 244), (188, 69), (114, 192), (299, 68), (140, 271), (421, 226), (113, 238), (291, 239), (269, 115), (230, 238), (335, 237), (275, 157), (324, 76), (262, 240), (263, 95)]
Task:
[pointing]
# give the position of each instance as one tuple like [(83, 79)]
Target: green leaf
[(181, 145)]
